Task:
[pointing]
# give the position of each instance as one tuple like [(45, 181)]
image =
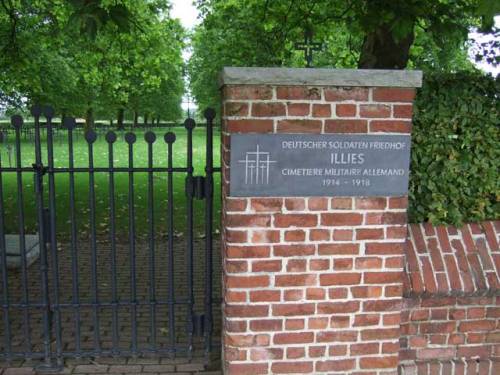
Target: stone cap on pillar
[(320, 77)]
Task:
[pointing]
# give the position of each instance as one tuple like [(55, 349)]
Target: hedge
[(455, 150)]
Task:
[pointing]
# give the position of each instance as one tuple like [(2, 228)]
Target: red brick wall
[(312, 285), (450, 320)]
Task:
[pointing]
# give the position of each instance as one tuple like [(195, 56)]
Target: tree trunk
[(89, 119), (146, 116), (136, 119), (158, 121), (381, 50), (111, 122), (121, 115)]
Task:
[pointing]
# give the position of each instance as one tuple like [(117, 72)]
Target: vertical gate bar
[(91, 137), (111, 139), (209, 181), (189, 125), (150, 139), (22, 234), (39, 172), (3, 267), (170, 139), (131, 138), (70, 125), (53, 238)]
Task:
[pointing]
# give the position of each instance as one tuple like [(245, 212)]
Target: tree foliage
[(455, 153), (388, 34), (89, 57)]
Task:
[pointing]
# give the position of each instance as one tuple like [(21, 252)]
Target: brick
[(295, 353), (393, 94), (234, 204), (247, 368), (384, 248), (247, 281), (236, 109), (382, 305), (295, 220), (382, 277), (299, 126), (235, 326), (243, 341), (370, 203), (379, 362), (369, 234), (236, 266), (345, 110), (296, 265), (338, 307), (265, 236), (337, 336), (364, 349), (398, 202), (366, 291), (403, 111), (236, 236), (295, 204), (344, 278), (248, 251), (265, 295), (293, 367), (242, 311), (315, 294), (264, 354), (295, 280), (248, 220), (293, 338), (266, 266), (123, 369), (390, 126), (294, 324), (298, 93), (375, 110), (295, 235), (338, 249), (341, 219), (317, 204), (319, 264), (293, 294), (368, 262), (377, 333), (342, 235), (248, 92), (477, 325), (321, 110), (366, 320), (342, 264), (299, 109), (266, 204), (319, 235), (341, 203), (336, 365), (268, 109), (293, 250), (346, 126), (249, 126), (338, 94), (266, 325), (289, 309)]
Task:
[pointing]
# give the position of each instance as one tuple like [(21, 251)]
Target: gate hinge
[(195, 187)]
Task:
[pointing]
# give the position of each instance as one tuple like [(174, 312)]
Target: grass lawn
[(121, 194)]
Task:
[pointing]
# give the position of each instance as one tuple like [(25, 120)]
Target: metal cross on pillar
[(308, 46)]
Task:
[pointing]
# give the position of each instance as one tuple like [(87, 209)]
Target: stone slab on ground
[(13, 247)]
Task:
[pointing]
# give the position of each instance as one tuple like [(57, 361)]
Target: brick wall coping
[(450, 261), (320, 77)]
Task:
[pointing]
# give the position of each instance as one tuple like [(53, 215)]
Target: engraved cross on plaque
[(308, 46)]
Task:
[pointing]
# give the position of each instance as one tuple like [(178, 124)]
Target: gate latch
[(195, 187)]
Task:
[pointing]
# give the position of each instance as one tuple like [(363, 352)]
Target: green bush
[(456, 151)]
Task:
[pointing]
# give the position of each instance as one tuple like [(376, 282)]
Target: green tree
[(387, 34)]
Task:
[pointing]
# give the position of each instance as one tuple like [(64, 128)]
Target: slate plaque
[(270, 165)]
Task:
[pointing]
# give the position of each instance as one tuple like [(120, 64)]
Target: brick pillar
[(313, 284)]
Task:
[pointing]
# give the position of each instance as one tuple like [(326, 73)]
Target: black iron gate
[(138, 286)]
